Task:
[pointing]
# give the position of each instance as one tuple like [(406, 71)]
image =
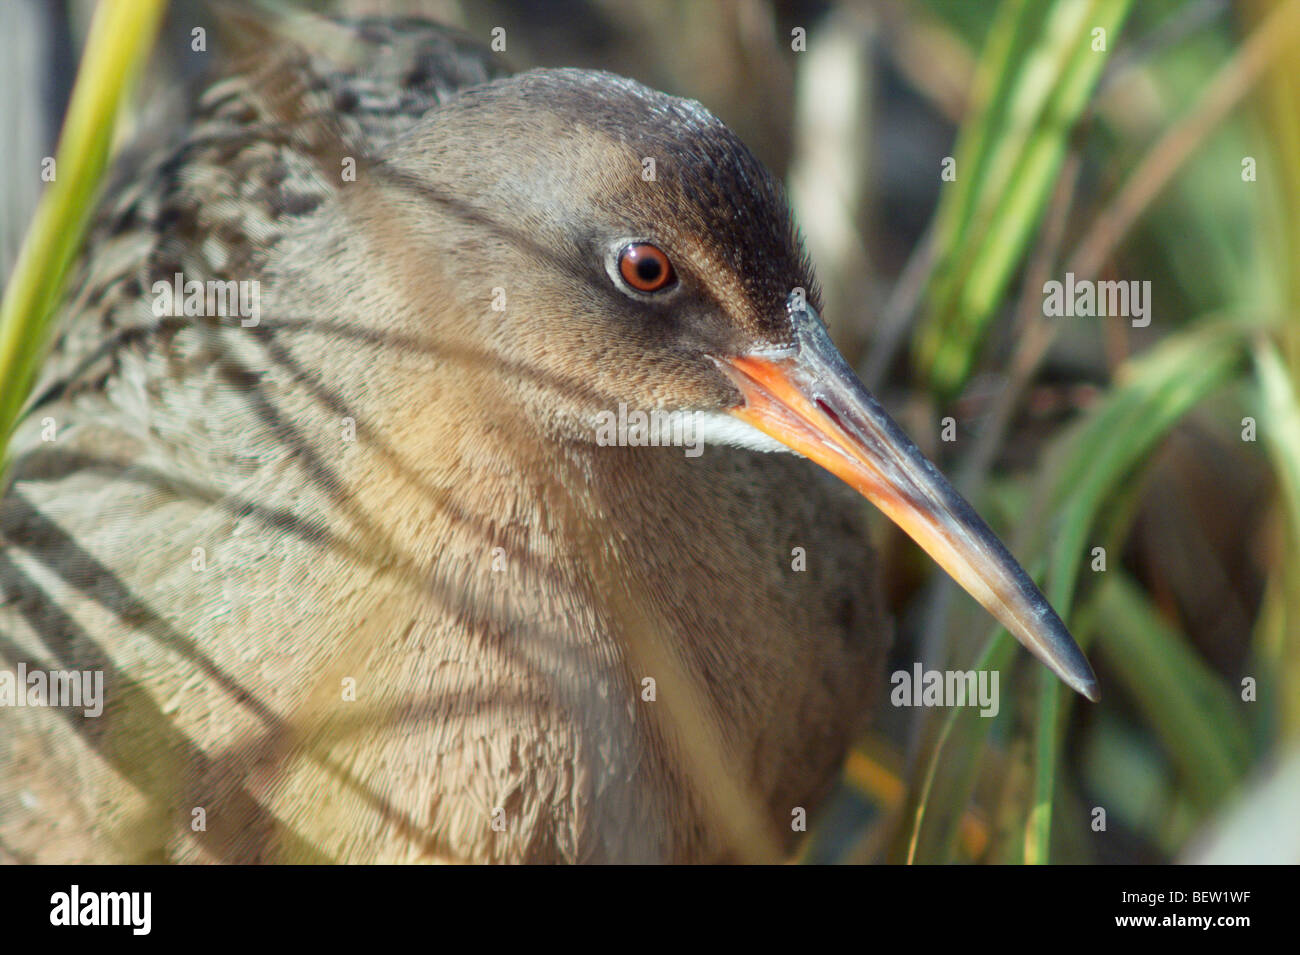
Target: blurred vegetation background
[(1113, 140)]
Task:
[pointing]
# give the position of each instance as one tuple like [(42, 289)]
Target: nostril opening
[(830, 413)]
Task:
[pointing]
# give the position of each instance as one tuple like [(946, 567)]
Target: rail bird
[(411, 463)]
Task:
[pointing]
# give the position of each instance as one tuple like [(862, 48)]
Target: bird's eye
[(645, 268)]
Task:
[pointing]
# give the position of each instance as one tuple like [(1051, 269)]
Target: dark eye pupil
[(644, 268)]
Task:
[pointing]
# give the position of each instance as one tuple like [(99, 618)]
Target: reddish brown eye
[(645, 267)]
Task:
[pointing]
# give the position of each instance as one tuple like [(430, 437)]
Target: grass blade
[(121, 35)]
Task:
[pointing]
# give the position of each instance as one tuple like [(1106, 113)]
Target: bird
[(365, 574)]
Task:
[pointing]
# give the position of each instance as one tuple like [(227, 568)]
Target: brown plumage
[(389, 489)]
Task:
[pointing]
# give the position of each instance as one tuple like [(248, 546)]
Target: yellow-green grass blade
[(121, 35), (1279, 424), (1278, 637), (1277, 374)]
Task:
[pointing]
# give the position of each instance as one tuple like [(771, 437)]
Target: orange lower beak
[(812, 402)]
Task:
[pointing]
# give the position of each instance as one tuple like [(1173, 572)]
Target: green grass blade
[(1006, 166), (1182, 700), (950, 768), (1155, 392), (121, 35)]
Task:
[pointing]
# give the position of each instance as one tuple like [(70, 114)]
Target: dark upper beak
[(810, 400)]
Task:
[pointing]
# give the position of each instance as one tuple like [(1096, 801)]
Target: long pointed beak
[(811, 401)]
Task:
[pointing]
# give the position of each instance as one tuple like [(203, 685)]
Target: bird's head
[(623, 247)]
